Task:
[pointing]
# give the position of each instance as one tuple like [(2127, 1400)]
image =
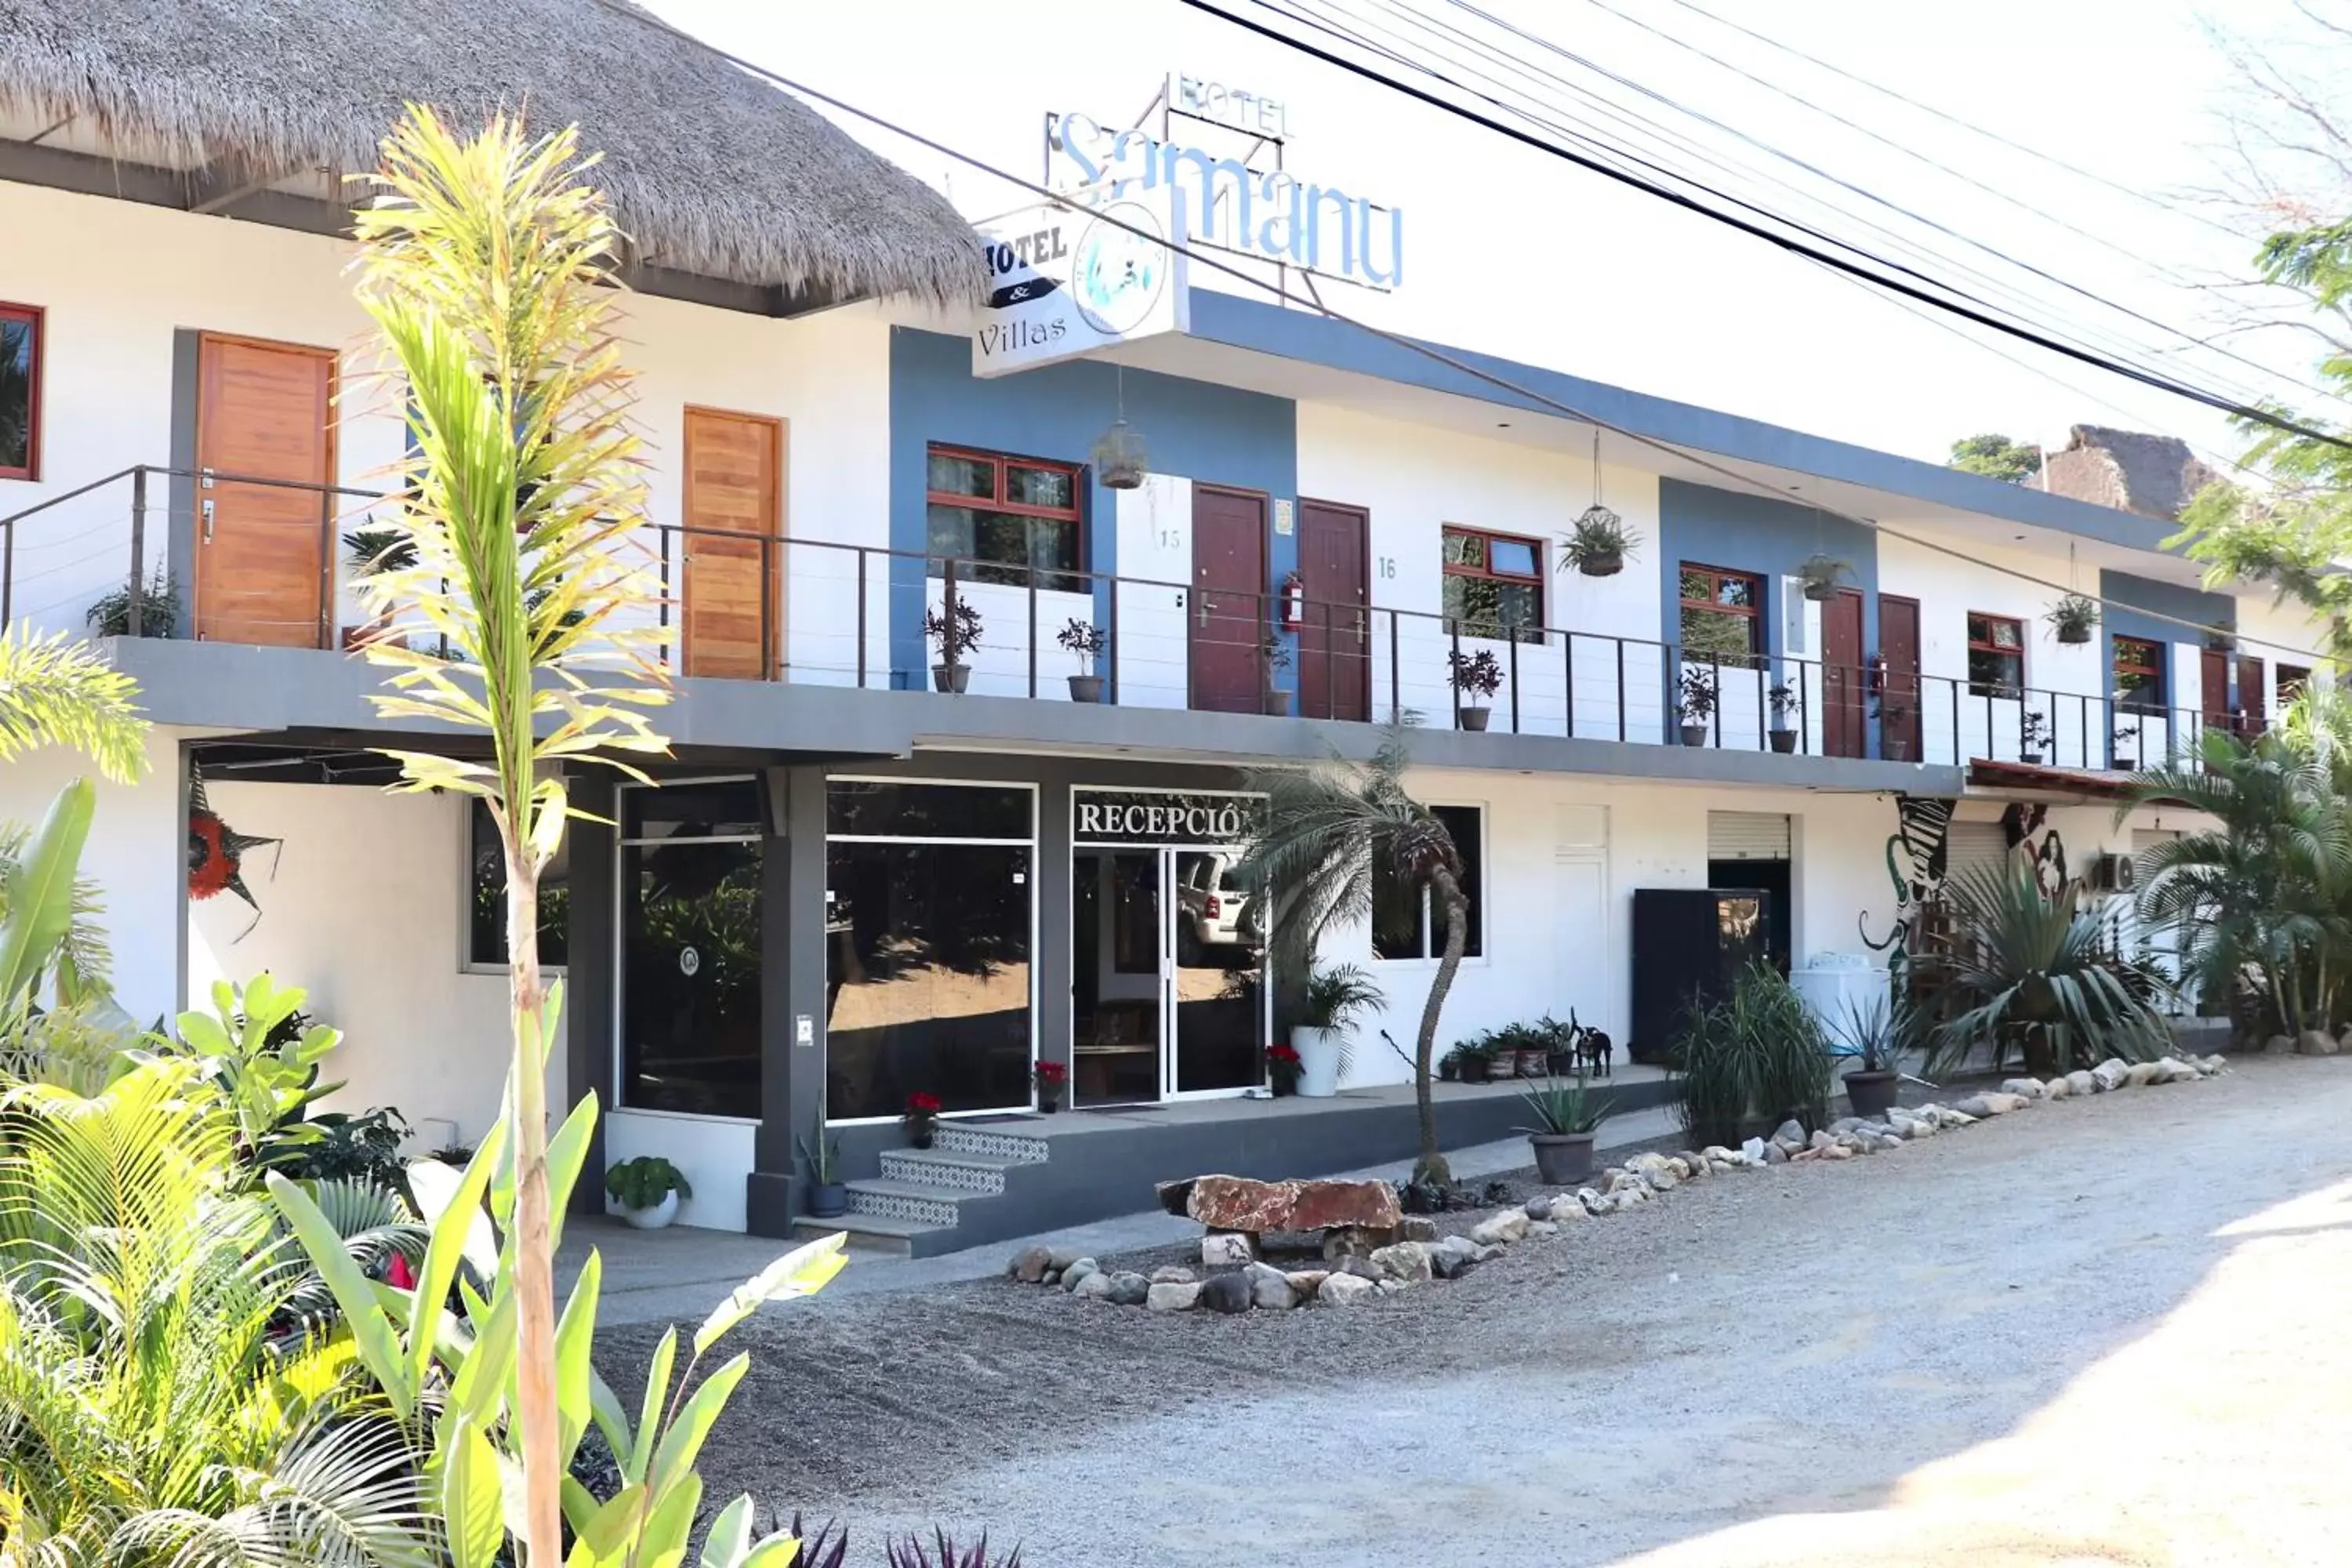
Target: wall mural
[(216, 853), (2020, 827), (1923, 830)]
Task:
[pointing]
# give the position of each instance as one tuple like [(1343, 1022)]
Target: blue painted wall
[(1710, 526), (2121, 589), (1218, 435)]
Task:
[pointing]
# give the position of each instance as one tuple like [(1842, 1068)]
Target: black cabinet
[(1690, 942)]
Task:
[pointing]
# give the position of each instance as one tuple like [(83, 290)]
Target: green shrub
[(1757, 1055)]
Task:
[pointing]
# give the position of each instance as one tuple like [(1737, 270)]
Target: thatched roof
[(711, 171), (2155, 476)]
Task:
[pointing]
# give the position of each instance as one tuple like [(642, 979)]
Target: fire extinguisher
[(1294, 602)]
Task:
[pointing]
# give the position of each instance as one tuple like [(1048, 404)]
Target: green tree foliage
[(1996, 458)]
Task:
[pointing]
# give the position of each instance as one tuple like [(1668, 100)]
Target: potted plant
[(1893, 737), (1782, 734), (1335, 996), (1052, 1078), (1821, 575), (2032, 736), (1085, 642), (648, 1189), (1283, 1068), (2073, 617), (1877, 1031), (159, 609), (1449, 1065), (1599, 544), (1476, 677), (1474, 1059), (828, 1194), (1273, 657), (955, 627), (1567, 1117), (1560, 1046), (1697, 704), (2222, 638), (920, 1119)]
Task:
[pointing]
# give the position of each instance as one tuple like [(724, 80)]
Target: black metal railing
[(753, 606)]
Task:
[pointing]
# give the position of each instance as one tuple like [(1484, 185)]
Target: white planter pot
[(656, 1217), (1319, 1062)]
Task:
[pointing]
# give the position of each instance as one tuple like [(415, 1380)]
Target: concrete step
[(994, 1142), (918, 1201), (949, 1168), (872, 1232)]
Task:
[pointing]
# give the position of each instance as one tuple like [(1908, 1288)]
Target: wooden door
[(1334, 666), (263, 411), (2253, 715), (2215, 688), (1843, 732), (732, 615), (1228, 621), (1898, 706)]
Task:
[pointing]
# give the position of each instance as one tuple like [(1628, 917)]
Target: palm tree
[(1324, 830), (55, 691), (487, 266), (2264, 895)]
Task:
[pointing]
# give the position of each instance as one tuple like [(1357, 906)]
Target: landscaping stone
[(1226, 1249), (1270, 1286), (2315, 1043), (1063, 1256), (1591, 1200), (1052, 1277), (1360, 1267), (1835, 1152), (1631, 1195), (2081, 1081), (2139, 1075), (1127, 1289), (1417, 1227), (1452, 1255), (1095, 1286), (1775, 1156), (1357, 1241), (1029, 1264), (1172, 1274), (2057, 1088), (1788, 1132), (1537, 1207), (2023, 1088), (1822, 1139), (1174, 1296), (2110, 1074), (1306, 1282), (1343, 1290), (1542, 1227), (1228, 1293), (2279, 1046), (1237, 1203), (1508, 1226), (1406, 1260), (2178, 1071), (1079, 1272), (1567, 1209)]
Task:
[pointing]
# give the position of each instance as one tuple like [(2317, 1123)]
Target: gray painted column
[(792, 1077), (1051, 878), (590, 986)]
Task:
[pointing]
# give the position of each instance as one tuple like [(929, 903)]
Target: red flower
[(1052, 1072), (1280, 1054), (920, 1104), (400, 1276)]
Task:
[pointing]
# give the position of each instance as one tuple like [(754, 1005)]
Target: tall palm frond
[(57, 691), (82, 949)]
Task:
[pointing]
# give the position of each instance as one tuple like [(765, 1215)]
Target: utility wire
[(1398, 339), (2243, 411)]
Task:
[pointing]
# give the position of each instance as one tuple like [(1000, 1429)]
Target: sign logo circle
[(1117, 277)]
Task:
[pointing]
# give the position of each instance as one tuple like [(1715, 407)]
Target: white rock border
[(1422, 1255)]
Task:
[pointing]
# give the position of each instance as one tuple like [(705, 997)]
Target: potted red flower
[(1051, 1077), (1283, 1066), (921, 1120)]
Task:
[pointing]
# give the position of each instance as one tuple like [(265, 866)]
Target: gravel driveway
[(2096, 1332)]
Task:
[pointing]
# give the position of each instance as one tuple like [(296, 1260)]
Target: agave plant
[(911, 1553), (2033, 972)]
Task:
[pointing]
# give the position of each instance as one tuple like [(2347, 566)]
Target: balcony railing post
[(1515, 681), (669, 654), (1568, 677), (138, 546), (1112, 651), (1804, 713), (861, 617), (1331, 667), (1396, 696), (1453, 632), (1032, 634), (1621, 683), (767, 610), (1716, 660), (947, 607), (326, 570)]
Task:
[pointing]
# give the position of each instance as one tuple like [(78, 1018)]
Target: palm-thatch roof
[(711, 172)]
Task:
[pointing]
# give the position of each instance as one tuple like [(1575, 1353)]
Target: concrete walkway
[(679, 1274)]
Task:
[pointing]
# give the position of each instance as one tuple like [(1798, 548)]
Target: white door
[(1583, 978)]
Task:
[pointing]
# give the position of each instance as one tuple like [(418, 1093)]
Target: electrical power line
[(2243, 411), (1398, 339)]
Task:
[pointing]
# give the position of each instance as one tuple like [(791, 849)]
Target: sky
[(1511, 252)]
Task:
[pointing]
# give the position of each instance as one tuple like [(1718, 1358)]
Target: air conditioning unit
[(2114, 874)]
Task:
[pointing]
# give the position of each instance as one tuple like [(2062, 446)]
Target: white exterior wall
[(1414, 480), (1550, 839)]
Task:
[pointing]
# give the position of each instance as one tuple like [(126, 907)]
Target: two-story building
[(849, 885)]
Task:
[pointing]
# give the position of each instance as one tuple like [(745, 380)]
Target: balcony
[(240, 560)]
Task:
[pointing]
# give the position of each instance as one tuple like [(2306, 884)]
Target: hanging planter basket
[(1820, 574), (1598, 543), (1120, 460), (2075, 617)]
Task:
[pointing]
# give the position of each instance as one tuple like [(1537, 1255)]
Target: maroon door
[(1335, 664), (1898, 707), (1229, 619), (1843, 730), (2253, 716), (2216, 684)]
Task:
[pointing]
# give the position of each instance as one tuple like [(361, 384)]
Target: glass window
[(1005, 519), (1721, 615), (690, 948), (2291, 680), (1996, 656), (486, 900), (886, 808), (2139, 672), (1401, 927), (20, 392), (1494, 584)]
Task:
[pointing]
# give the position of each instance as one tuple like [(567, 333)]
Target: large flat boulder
[(1237, 1203)]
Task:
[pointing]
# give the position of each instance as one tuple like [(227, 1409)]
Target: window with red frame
[(1996, 656), (1016, 520), (2139, 672), (1494, 584), (1722, 615), (20, 392)]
